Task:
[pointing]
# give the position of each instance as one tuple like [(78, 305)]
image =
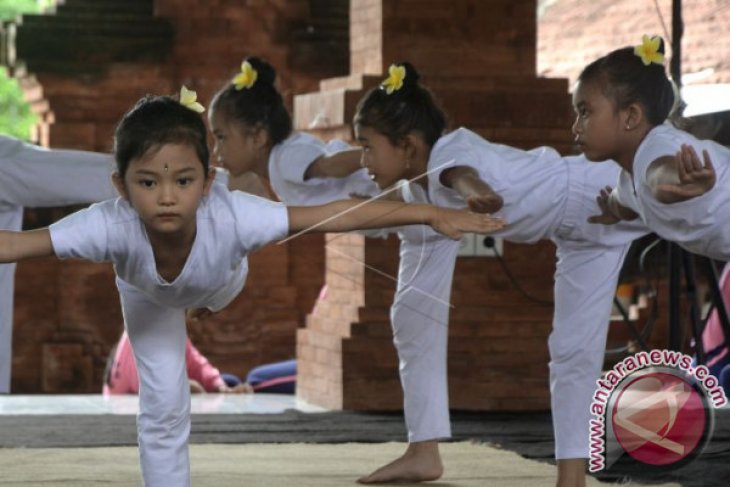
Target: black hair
[(411, 108), (261, 105), (154, 121), (625, 79)]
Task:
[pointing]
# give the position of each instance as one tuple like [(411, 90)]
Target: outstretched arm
[(337, 165), (347, 215), (476, 192), (682, 177), (16, 246), (611, 210)]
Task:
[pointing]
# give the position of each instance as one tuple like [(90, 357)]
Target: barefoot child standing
[(543, 196)]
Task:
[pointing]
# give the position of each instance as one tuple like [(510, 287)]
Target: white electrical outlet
[(466, 245), (483, 250)]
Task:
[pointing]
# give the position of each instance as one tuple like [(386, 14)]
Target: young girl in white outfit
[(252, 129), (541, 195), (253, 132), (622, 102), (32, 176), (178, 240)]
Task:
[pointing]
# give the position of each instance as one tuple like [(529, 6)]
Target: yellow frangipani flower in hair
[(648, 50), (247, 77), (394, 82), (188, 99)]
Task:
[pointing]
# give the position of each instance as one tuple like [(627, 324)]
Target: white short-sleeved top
[(700, 225), (532, 183), (625, 193), (585, 181), (416, 234), (230, 225), (289, 161)]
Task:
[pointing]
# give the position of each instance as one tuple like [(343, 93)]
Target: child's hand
[(454, 223), (607, 217), (695, 179), (488, 202)]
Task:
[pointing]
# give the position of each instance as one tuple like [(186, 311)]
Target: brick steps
[(514, 111), (113, 7), (323, 35), (85, 37), (336, 8), (91, 25)]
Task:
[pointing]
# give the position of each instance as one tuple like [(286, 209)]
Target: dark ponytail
[(401, 105), (258, 105)]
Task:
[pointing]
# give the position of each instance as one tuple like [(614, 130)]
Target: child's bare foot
[(421, 462), (571, 473)]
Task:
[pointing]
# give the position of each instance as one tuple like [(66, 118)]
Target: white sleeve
[(655, 146), (36, 177), (259, 221), (294, 159), (337, 145), (82, 235)]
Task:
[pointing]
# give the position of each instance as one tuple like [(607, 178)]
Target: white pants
[(589, 261), (585, 284), (157, 334), (31, 176), (10, 219), (419, 317)]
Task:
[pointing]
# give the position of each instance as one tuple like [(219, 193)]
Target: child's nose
[(576, 128), (167, 194)]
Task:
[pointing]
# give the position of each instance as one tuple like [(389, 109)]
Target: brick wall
[(486, 79), (572, 33), (61, 344)]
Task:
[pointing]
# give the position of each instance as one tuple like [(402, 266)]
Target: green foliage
[(10, 9), (16, 119)]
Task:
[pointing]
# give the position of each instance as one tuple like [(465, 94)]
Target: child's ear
[(410, 144), (118, 182), (261, 137), (633, 116)]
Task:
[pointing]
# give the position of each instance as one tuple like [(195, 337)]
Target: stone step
[(355, 82), (311, 52), (94, 26), (86, 54), (337, 38), (106, 7), (330, 8), (326, 24), (89, 17)]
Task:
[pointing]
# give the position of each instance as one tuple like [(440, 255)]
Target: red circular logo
[(659, 418)]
